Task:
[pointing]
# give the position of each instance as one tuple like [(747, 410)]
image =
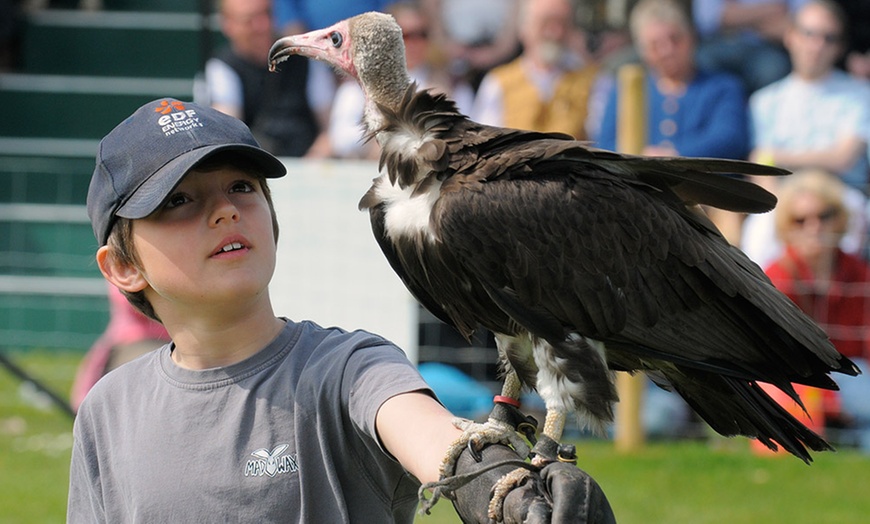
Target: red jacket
[(841, 308)]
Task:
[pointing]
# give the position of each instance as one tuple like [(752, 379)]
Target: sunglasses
[(827, 38), (823, 217)]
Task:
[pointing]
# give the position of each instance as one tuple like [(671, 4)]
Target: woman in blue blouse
[(689, 112)]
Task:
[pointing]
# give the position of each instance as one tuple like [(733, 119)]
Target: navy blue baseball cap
[(142, 160)]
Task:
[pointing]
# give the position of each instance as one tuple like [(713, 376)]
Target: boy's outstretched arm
[(417, 431)]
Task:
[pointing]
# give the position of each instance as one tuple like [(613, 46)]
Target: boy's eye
[(242, 186), (175, 200)]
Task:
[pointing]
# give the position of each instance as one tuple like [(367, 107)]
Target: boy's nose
[(224, 209)]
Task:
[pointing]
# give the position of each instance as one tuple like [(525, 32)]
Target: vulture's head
[(368, 47)]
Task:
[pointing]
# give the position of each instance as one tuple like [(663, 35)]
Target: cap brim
[(148, 197)]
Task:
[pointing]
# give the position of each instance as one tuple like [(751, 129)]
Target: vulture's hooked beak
[(282, 49), (330, 45)]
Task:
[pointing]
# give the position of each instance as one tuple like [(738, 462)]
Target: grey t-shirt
[(287, 435)]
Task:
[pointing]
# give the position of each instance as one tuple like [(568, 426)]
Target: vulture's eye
[(336, 38)]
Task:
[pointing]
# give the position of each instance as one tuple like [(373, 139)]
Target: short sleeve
[(376, 374)]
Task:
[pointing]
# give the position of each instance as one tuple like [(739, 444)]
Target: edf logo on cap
[(176, 121)]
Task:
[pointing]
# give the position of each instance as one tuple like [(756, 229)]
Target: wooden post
[(630, 139), (631, 110)]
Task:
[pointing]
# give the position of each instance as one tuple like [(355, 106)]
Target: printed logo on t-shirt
[(271, 463)]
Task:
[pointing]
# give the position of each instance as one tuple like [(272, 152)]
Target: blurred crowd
[(779, 82)]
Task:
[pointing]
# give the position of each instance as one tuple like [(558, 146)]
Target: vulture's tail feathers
[(789, 345), (711, 181), (730, 194), (736, 407)]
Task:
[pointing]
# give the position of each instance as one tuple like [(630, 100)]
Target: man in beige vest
[(547, 87)]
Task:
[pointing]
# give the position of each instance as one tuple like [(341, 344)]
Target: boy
[(246, 416)]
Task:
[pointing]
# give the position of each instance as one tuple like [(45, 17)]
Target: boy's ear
[(125, 277)]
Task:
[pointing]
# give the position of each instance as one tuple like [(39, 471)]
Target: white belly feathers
[(406, 215)]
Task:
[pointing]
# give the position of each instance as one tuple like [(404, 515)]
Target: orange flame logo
[(166, 107)]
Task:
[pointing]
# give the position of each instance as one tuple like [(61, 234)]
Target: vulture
[(581, 261)]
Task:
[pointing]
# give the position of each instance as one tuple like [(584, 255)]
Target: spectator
[(744, 37), (831, 286), (474, 36), (690, 112), (547, 87), (238, 83), (129, 334), (344, 130), (818, 116)]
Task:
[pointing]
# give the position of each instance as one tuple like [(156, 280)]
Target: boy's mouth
[(232, 246)]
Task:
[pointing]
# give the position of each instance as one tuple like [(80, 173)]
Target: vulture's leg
[(512, 386), (584, 386), (475, 435), (554, 424)]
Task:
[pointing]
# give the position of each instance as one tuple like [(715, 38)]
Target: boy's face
[(210, 244)]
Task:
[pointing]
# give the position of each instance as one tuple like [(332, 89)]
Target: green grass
[(669, 482), (35, 440), (693, 482)]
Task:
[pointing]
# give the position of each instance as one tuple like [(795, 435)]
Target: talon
[(475, 453), (475, 436)]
